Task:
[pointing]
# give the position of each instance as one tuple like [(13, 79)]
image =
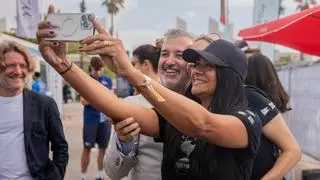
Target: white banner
[(28, 17), (265, 11)]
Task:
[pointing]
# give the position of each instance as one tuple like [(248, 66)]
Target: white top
[(143, 164), (138, 99), (12, 150)]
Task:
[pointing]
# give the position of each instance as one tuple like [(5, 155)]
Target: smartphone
[(71, 26)]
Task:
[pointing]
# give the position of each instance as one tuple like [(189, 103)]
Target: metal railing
[(302, 82)]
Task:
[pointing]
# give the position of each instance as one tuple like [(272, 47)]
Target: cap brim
[(191, 55)]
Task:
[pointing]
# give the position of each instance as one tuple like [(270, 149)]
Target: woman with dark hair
[(216, 138), (270, 163), (262, 74), (146, 59)]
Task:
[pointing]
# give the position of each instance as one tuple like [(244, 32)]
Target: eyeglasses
[(200, 67)]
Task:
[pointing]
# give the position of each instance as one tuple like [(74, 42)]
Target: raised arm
[(54, 52), (186, 115), (193, 119)]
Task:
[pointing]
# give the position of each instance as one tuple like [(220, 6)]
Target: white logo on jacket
[(265, 110)]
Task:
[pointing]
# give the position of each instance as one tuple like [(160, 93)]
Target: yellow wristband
[(147, 81), (147, 84)]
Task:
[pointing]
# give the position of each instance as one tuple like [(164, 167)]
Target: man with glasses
[(96, 128)]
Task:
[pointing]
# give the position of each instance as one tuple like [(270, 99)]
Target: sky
[(142, 21)]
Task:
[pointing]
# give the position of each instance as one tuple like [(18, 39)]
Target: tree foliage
[(113, 6), (83, 6)]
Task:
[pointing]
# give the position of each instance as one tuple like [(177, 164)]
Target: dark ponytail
[(149, 53)]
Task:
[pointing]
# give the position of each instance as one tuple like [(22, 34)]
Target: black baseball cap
[(220, 53)]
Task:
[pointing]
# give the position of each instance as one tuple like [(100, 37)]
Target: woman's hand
[(54, 52), (110, 49), (126, 129)]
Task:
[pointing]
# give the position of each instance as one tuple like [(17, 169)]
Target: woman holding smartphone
[(207, 133)]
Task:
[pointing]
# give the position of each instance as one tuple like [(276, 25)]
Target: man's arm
[(119, 160), (59, 145), (122, 159)]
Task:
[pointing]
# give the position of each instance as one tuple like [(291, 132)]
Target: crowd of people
[(203, 108)]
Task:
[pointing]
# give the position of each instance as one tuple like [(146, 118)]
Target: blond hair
[(11, 46)]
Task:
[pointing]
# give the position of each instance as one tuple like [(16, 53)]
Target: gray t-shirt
[(12, 150)]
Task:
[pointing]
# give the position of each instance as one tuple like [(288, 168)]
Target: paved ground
[(73, 122), (306, 163)]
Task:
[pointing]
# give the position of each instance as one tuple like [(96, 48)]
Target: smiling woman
[(204, 79), (206, 139), (269, 164)]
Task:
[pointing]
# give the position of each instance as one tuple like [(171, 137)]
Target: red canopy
[(299, 31)]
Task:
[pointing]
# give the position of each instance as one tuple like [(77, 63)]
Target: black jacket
[(42, 130)]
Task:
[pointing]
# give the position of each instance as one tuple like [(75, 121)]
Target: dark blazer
[(42, 130)]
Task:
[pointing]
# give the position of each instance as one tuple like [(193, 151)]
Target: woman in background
[(270, 163)]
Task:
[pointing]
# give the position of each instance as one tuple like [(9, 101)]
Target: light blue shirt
[(124, 148)]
